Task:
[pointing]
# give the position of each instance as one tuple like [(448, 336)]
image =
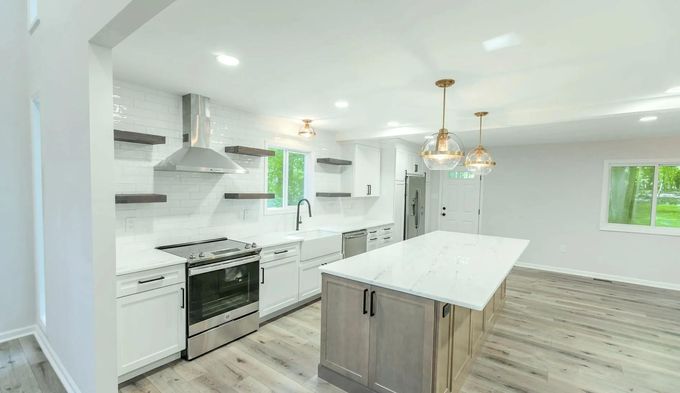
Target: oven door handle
[(224, 265)]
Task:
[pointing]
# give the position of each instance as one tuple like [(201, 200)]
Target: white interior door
[(459, 207)]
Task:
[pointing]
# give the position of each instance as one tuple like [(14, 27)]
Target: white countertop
[(132, 261), (273, 239), (136, 260), (457, 268)]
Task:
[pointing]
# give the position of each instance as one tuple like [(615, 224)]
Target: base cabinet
[(310, 275), (151, 327), (379, 340), (278, 284)]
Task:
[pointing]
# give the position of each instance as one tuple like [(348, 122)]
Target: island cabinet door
[(402, 342), (345, 328)]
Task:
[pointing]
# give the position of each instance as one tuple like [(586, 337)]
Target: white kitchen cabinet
[(151, 326), (407, 161), (310, 275), (278, 284), (364, 178), (380, 236)]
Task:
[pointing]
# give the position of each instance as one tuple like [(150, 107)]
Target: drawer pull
[(280, 252), (151, 280), (373, 238), (387, 238), (372, 231)]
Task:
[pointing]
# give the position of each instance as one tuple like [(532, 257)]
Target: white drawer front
[(132, 283), (269, 254)]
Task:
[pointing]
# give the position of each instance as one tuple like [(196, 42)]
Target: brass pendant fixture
[(443, 150), (478, 161), (306, 130)]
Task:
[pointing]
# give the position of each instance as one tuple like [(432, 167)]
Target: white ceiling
[(583, 69)]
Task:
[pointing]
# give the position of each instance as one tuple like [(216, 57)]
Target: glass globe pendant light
[(442, 151), (306, 130), (478, 161)]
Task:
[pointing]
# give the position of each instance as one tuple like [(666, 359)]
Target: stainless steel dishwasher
[(354, 243)]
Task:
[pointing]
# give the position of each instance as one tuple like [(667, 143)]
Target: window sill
[(640, 229), (273, 211)]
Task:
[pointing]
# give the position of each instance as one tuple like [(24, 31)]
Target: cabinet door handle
[(416, 165), (372, 303), (280, 252), (446, 310), (365, 295), (151, 280), (262, 281), (182, 298)]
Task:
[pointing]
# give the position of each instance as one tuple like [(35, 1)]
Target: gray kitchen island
[(410, 317)]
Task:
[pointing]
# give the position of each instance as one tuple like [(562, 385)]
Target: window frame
[(285, 209), (651, 229)]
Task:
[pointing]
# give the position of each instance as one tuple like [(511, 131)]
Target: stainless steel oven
[(223, 281)]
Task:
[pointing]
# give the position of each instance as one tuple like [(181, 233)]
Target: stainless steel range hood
[(196, 154)]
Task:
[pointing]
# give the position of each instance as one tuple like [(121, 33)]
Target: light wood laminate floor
[(556, 334), (24, 368)]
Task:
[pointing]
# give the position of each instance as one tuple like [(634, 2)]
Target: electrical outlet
[(130, 224)]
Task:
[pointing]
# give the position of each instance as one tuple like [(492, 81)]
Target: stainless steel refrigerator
[(414, 206)]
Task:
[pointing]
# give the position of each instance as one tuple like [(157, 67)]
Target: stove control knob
[(192, 256), (201, 255), (253, 245), (247, 246)]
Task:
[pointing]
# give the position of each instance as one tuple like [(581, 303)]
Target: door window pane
[(275, 178), (630, 195), (668, 197), (296, 178)]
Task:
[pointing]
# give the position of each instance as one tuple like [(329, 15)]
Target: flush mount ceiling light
[(306, 131), (673, 90), (478, 161), (442, 151), (228, 60), (341, 104), (647, 119)]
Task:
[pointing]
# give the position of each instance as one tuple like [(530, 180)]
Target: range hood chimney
[(196, 154)]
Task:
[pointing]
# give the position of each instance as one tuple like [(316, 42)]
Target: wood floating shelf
[(333, 161), (137, 137), (140, 198), (333, 194), (249, 151), (249, 195)]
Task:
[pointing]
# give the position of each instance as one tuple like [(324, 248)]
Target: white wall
[(73, 79), (551, 195), (196, 208), (17, 300)]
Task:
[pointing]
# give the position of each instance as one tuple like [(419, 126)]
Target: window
[(642, 196), (286, 171)]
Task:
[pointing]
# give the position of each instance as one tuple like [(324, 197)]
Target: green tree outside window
[(285, 171)]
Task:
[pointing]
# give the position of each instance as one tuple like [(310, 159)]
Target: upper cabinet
[(364, 178), (408, 161)]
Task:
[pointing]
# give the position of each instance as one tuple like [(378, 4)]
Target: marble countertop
[(457, 268), (273, 239), (132, 261)]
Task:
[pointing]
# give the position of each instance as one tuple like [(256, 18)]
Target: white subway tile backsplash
[(196, 207)]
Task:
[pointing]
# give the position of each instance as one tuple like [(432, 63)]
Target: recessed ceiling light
[(501, 42), (393, 124), (228, 60), (673, 90), (341, 104), (646, 119)]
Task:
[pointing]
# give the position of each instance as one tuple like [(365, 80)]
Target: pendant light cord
[(480, 130), (444, 109)]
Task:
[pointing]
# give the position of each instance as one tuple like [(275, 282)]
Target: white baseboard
[(16, 333), (610, 277), (65, 378)]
